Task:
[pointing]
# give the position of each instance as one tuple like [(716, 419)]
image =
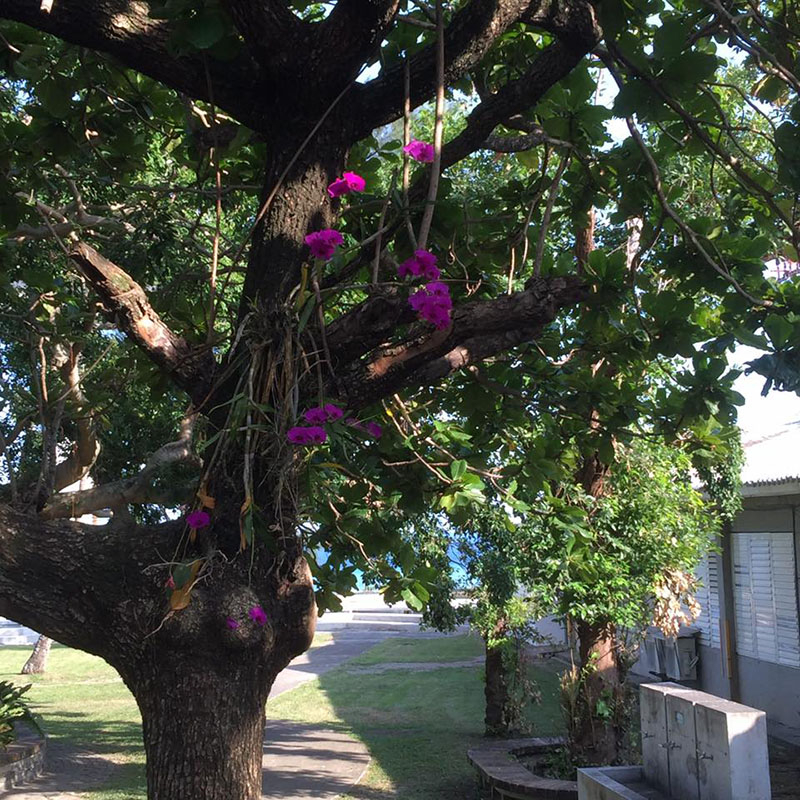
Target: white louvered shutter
[(708, 597), (765, 597)]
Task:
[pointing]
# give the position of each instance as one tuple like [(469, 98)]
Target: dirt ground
[(784, 770)]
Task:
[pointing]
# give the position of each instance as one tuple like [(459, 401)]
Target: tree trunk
[(496, 688), (596, 736), (37, 661), (203, 727), (296, 203), (201, 674)]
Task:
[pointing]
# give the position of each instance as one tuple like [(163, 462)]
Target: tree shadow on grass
[(82, 756), (418, 726)]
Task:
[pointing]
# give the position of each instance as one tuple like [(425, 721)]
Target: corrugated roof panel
[(774, 458)]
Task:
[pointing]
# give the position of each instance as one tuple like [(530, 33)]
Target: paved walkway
[(67, 770), (307, 762), (301, 762)]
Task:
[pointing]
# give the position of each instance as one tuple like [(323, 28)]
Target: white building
[(749, 640)]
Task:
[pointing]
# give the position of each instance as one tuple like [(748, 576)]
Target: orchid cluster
[(349, 182), (422, 263), (432, 302), (419, 151), (323, 243), (315, 433), (198, 519)]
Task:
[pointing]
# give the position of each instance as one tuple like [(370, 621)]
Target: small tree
[(619, 561), (482, 551)]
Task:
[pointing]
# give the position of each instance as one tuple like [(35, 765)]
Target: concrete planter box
[(23, 760), (615, 783), (500, 772)]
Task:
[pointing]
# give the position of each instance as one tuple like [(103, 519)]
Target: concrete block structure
[(695, 746)]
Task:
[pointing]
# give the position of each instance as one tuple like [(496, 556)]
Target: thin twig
[(551, 199), (376, 264), (406, 158), (212, 278), (438, 128)]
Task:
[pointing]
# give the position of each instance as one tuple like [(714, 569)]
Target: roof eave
[(771, 488)]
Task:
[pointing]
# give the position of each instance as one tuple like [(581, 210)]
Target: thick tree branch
[(518, 144), (479, 330), (116, 495), (124, 29), (140, 488), (87, 446), (269, 29), (350, 35), (66, 580), (551, 65), (467, 39), (192, 369)]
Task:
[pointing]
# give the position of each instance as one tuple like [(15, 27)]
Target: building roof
[(772, 459)]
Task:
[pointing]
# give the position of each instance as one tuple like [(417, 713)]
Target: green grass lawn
[(417, 725), (452, 648)]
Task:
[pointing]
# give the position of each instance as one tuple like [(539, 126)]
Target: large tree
[(146, 137), (200, 684)]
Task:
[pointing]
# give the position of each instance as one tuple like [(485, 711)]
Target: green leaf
[(56, 96), (412, 600), (691, 68), (457, 469), (778, 329), (529, 159), (206, 29)]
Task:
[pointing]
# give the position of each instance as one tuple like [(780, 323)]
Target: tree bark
[(294, 202), (596, 737), (203, 725), (200, 683), (496, 687), (37, 661)]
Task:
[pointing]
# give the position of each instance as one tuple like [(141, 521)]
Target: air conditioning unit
[(671, 658)]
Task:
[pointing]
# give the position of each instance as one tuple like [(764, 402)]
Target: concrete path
[(346, 644), (306, 762)]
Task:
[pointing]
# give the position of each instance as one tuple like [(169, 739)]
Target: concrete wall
[(711, 673), (770, 687)]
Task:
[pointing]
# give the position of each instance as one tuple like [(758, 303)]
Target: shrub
[(13, 709)]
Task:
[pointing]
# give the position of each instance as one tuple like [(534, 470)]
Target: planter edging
[(22, 760), (499, 770)]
